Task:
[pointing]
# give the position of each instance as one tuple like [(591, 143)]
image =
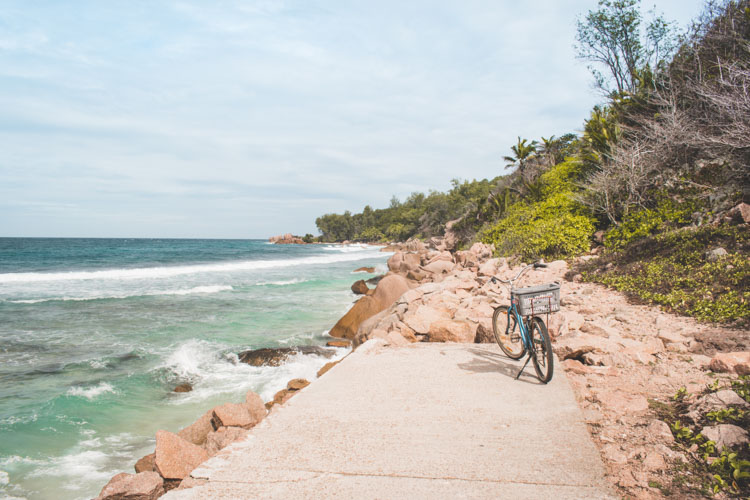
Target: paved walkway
[(424, 421)]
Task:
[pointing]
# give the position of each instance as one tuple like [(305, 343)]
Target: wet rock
[(145, 464), (142, 486), (374, 281), (280, 397), (186, 387), (176, 457), (297, 384), (326, 367), (365, 270), (726, 435), (338, 343), (360, 287), (223, 437), (278, 356)]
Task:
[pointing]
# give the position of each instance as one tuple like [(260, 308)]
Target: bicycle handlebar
[(510, 281)]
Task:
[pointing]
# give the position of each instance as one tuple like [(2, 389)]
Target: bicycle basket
[(539, 299)]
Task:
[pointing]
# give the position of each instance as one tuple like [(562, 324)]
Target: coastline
[(614, 358)]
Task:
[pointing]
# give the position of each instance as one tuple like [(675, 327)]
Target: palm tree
[(523, 153), (548, 149)]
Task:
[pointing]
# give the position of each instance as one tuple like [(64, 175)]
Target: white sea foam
[(212, 372), (354, 247), (183, 291), (166, 272), (90, 392), (281, 282), (4, 479)]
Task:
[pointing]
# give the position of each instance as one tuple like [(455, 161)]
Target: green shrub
[(370, 234), (671, 269), (555, 226), (646, 222)]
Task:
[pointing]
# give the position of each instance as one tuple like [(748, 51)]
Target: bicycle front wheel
[(507, 332), (542, 355)]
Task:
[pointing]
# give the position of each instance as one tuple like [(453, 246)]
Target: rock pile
[(286, 239), (178, 454)]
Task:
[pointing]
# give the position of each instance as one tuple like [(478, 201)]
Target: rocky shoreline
[(620, 359)]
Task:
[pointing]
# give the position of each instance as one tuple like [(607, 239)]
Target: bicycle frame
[(521, 327)]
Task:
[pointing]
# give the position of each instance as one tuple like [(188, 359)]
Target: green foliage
[(726, 414), (553, 226), (732, 472), (370, 234), (680, 394), (646, 222), (742, 387), (419, 214), (682, 433), (612, 37), (308, 238), (522, 153), (671, 269)]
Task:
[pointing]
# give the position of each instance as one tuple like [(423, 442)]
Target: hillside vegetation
[(651, 184)]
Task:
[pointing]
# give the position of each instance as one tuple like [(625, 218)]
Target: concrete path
[(424, 421)]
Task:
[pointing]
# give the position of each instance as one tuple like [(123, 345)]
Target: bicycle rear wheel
[(507, 332), (542, 355)]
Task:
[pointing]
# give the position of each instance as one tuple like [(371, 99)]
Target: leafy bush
[(370, 234), (642, 223), (555, 226), (671, 269)]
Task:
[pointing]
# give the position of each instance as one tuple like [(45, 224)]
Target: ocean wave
[(354, 247), (281, 282), (92, 392), (212, 371), (166, 272), (184, 291)]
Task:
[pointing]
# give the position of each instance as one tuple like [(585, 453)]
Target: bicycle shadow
[(492, 362)]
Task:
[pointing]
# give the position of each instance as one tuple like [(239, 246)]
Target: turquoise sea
[(95, 334)]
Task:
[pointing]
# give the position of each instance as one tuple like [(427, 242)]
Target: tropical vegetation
[(652, 176)]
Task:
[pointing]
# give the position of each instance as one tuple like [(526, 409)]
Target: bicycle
[(524, 331)]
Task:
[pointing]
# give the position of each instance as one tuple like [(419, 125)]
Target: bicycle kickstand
[(528, 358)]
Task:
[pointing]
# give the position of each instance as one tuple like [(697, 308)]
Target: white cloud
[(244, 118)]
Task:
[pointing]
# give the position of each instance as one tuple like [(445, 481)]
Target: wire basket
[(539, 299)]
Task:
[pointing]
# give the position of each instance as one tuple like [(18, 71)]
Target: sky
[(245, 119)]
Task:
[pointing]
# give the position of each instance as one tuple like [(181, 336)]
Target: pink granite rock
[(197, 431), (727, 361), (447, 330), (141, 486), (176, 457), (223, 437)]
